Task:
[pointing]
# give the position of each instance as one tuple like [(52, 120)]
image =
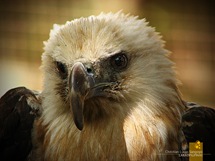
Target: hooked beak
[(83, 86), (79, 83)]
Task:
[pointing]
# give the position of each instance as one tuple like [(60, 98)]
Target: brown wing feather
[(18, 109), (199, 124)]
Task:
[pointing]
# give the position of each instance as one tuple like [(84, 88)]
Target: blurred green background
[(187, 26)]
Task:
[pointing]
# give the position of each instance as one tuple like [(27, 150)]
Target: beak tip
[(79, 125)]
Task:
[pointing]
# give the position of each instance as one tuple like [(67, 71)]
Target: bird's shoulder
[(198, 124), (199, 115), (19, 107)]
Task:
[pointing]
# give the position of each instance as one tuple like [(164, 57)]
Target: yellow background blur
[(188, 27)]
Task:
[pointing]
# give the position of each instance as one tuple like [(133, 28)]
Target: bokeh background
[(187, 26)]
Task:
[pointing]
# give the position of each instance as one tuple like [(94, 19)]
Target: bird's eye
[(62, 70), (119, 61)]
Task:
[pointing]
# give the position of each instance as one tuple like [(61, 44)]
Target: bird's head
[(100, 66)]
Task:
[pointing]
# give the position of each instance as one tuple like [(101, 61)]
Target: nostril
[(89, 70)]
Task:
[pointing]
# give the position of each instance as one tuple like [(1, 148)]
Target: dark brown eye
[(62, 69), (119, 61)]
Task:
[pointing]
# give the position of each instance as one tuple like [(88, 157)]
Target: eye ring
[(61, 69), (119, 61)]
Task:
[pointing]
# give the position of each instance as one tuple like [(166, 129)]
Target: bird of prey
[(110, 93)]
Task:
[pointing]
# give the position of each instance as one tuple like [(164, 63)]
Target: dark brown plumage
[(16, 123), (199, 124)]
